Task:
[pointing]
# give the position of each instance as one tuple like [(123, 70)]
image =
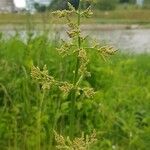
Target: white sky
[(20, 3)]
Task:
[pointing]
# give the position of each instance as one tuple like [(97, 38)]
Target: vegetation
[(106, 4), (105, 11), (39, 8), (127, 15), (100, 4), (119, 111)]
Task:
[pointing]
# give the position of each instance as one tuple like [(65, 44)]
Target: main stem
[(75, 79), (39, 121)]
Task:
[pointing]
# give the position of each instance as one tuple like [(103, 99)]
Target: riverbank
[(60, 27), (129, 17)]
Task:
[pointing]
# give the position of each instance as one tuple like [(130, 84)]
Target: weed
[(74, 89)]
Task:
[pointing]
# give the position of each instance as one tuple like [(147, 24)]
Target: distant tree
[(62, 4), (58, 4), (127, 1), (40, 8), (132, 1), (147, 1), (124, 1), (36, 6), (146, 4)]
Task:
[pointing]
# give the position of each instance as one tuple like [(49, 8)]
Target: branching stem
[(75, 80)]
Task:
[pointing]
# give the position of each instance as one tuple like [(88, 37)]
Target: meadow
[(119, 111)]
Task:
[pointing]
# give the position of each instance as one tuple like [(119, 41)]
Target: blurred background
[(115, 21)]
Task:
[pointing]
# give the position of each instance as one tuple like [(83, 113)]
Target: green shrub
[(106, 4), (146, 4)]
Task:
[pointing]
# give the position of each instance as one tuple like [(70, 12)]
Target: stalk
[(77, 58), (75, 79), (15, 135), (39, 121)]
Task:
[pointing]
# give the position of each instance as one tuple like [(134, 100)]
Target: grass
[(118, 16), (120, 110)]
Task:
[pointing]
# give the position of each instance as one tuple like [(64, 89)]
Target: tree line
[(100, 4)]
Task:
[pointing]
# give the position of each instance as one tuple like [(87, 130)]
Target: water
[(131, 40), (137, 40)]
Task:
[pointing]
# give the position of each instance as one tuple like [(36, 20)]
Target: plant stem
[(79, 46), (75, 79), (15, 134), (39, 120)]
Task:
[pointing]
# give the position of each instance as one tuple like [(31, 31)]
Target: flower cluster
[(42, 77), (47, 82), (80, 52), (82, 143)]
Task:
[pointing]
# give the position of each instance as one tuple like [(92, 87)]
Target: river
[(124, 39)]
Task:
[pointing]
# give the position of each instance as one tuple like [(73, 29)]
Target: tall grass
[(119, 111)]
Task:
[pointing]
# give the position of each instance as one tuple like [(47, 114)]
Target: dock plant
[(73, 88)]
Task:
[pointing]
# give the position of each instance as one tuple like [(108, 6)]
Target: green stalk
[(79, 46), (75, 79), (15, 135), (39, 120)]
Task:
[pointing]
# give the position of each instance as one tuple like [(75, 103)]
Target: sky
[(20, 3)]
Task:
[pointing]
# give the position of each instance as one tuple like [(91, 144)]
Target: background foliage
[(119, 111), (100, 4)]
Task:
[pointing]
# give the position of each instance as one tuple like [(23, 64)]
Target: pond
[(130, 40)]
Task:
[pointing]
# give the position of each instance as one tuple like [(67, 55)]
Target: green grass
[(120, 110)]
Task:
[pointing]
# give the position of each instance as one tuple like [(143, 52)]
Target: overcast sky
[(20, 3)]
